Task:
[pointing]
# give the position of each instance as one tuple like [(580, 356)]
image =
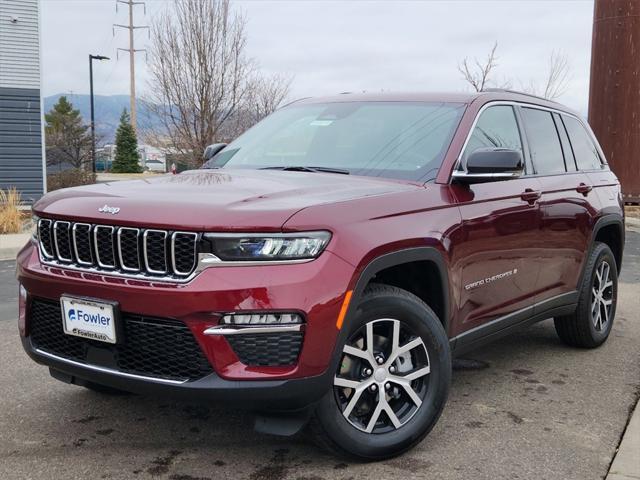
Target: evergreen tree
[(127, 157), (67, 138)]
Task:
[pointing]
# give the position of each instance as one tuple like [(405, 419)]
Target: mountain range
[(108, 109)]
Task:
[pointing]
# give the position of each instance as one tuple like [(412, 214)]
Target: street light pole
[(93, 123)]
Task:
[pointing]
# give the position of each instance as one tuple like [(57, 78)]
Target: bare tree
[(264, 97), (477, 73), (201, 77), (557, 79)]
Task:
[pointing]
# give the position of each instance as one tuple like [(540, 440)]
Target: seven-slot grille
[(123, 250)]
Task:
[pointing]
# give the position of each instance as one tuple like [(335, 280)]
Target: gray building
[(21, 151)]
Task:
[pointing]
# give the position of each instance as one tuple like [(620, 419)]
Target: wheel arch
[(401, 258), (389, 260), (609, 229)]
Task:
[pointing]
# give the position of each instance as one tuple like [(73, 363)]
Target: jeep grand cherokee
[(325, 266)]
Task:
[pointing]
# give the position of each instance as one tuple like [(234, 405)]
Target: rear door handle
[(530, 195), (584, 189)]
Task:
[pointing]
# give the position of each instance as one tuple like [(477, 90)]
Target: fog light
[(22, 310), (262, 319)]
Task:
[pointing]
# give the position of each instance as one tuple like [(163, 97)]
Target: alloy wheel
[(602, 297), (383, 376)]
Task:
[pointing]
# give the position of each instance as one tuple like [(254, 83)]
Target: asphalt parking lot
[(526, 407)]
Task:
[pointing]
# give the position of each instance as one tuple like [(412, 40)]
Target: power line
[(132, 52)]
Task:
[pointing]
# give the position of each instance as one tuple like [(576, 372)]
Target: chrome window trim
[(248, 330), (119, 244), (173, 252), (40, 246), (96, 228), (146, 258), (512, 103), (75, 242), (110, 371), (489, 176), (55, 239)]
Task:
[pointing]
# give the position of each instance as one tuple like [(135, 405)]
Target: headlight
[(265, 247)]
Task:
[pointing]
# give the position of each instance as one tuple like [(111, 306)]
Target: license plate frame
[(100, 320)]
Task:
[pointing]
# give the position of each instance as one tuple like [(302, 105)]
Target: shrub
[(10, 214), (69, 178)]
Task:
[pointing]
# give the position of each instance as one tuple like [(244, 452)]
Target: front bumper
[(315, 288), (267, 395)]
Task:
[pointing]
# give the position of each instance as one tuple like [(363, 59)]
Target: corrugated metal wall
[(21, 162), (19, 44), (21, 142), (614, 94)]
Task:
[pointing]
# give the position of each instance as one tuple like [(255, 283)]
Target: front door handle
[(584, 189), (530, 195)]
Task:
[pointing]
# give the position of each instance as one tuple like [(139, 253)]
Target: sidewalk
[(626, 463), (10, 244)]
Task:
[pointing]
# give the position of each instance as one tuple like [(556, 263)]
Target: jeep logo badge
[(108, 209)]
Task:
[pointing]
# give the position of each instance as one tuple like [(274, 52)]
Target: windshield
[(403, 140)]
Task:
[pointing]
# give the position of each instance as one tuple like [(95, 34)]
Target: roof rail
[(506, 90)]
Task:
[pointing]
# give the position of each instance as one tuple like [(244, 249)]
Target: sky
[(338, 46)]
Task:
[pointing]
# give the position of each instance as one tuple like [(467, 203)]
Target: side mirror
[(491, 165), (212, 150)]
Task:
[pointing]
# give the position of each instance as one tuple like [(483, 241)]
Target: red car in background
[(325, 266)]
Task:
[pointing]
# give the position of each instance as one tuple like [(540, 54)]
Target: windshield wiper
[(301, 168)]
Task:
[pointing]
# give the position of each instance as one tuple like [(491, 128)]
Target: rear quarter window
[(544, 144), (584, 149)]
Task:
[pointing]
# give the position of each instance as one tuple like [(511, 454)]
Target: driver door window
[(497, 127)]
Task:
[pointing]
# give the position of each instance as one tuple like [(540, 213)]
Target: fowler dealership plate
[(88, 319)]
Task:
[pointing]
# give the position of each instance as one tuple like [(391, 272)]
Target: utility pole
[(132, 54)]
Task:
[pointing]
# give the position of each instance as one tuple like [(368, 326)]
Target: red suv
[(326, 266)]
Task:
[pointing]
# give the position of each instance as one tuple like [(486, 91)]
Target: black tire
[(583, 328), (383, 303), (104, 390)]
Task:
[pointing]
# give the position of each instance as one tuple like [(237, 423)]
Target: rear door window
[(569, 160), (497, 127), (584, 149), (544, 144)]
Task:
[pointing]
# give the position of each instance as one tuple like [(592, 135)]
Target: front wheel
[(392, 381)]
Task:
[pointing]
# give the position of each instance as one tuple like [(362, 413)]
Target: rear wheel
[(392, 381), (589, 326)]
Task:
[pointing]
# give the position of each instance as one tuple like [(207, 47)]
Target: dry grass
[(69, 178), (10, 214)]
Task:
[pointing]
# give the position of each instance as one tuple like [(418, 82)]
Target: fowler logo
[(95, 318), (108, 209)]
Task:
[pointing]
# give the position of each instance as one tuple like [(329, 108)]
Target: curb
[(11, 244), (626, 463), (8, 254)]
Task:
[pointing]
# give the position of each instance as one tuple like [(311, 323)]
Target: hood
[(240, 200)]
